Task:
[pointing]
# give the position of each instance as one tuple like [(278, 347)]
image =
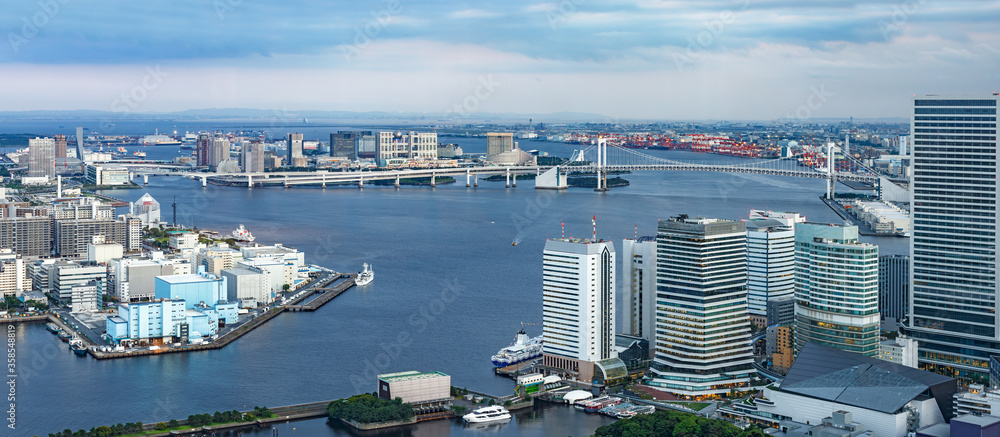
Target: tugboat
[(77, 346), (366, 276), (52, 327), (64, 336)]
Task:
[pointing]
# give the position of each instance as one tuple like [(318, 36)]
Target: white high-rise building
[(13, 275), (702, 329), (42, 157), (218, 152), (953, 249), (836, 289), (639, 287), (578, 312), (770, 259)]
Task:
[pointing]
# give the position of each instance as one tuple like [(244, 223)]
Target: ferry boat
[(77, 346), (242, 234), (522, 349), (139, 154), (366, 276), (487, 414)]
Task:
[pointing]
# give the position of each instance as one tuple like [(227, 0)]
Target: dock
[(326, 293)]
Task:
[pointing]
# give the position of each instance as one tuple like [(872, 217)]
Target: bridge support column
[(286, 181), (145, 179), (250, 181), (397, 182), (204, 182), (513, 181), (433, 184), (476, 181), (361, 182), (508, 178), (324, 181), (468, 178)]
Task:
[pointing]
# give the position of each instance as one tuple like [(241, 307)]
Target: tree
[(173, 423), (161, 426), (285, 287)]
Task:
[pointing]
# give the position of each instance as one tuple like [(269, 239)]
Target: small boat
[(366, 276), (77, 346), (493, 413), (139, 154), (242, 234), (52, 327), (64, 336)]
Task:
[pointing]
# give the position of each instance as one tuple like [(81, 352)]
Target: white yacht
[(487, 414), (366, 276)]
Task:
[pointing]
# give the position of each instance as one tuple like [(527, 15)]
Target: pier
[(325, 294)]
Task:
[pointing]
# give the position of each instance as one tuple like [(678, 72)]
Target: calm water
[(450, 290)]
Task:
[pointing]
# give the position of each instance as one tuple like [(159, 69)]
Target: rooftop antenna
[(563, 230), (594, 221), (636, 236)]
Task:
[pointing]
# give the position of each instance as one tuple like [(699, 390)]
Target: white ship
[(242, 234), (522, 349), (487, 414), (366, 276)]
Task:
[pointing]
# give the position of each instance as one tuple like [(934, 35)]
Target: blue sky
[(640, 59)]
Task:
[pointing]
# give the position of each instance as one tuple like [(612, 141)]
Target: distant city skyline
[(643, 59)]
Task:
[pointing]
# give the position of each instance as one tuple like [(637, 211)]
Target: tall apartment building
[(42, 157), (639, 287), (27, 236), (218, 152), (702, 327), (893, 286), (79, 143), (836, 289), (293, 143), (253, 157), (578, 310), (411, 145), (953, 248), (770, 260), (13, 275), (203, 146), (60, 146), (497, 143), (72, 236)]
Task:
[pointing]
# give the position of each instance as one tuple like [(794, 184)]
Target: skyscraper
[(204, 144), (218, 152), (893, 286), (293, 142), (836, 289), (42, 157), (639, 287), (953, 248), (770, 259), (578, 310), (254, 158), (79, 143), (347, 144), (60, 146), (702, 329)]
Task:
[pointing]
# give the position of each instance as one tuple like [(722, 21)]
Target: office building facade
[(953, 248), (770, 260), (203, 146), (639, 287), (702, 326), (578, 313), (836, 289), (410, 145), (893, 286), (497, 143), (293, 144)]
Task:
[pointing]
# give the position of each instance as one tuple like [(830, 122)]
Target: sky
[(624, 59)]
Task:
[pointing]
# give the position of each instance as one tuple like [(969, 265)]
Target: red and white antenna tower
[(594, 221)]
